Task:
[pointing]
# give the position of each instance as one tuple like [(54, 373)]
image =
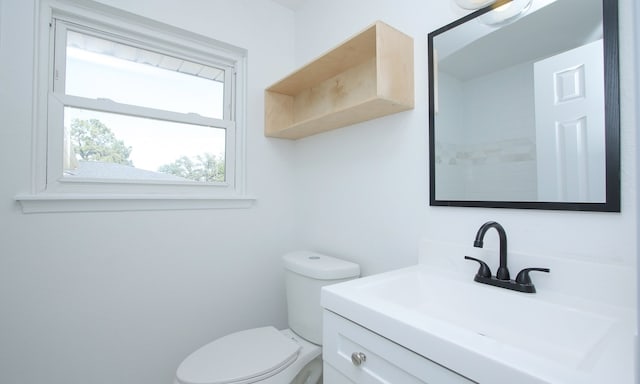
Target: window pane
[(111, 146), (100, 68)]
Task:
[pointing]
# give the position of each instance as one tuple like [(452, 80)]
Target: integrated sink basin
[(543, 329), (490, 334)]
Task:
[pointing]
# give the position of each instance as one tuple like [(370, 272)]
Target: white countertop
[(492, 335)]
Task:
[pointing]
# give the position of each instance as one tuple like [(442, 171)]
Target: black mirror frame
[(612, 123)]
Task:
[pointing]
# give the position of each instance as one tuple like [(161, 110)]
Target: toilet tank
[(305, 274)]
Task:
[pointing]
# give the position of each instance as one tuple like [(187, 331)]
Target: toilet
[(266, 355)]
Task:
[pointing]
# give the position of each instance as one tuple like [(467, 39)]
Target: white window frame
[(51, 192)]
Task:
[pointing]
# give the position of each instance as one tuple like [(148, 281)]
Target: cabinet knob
[(357, 358)]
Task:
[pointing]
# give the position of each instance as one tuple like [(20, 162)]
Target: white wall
[(123, 297), (636, 13), (495, 135), (364, 188)]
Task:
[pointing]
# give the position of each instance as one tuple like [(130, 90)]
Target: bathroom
[(123, 296)]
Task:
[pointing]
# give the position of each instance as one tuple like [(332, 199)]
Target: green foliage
[(205, 168), (91, 140)]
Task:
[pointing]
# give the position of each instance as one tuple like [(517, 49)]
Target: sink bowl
[(518, 320)]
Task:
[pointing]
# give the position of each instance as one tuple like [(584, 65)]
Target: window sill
[(49, 203)]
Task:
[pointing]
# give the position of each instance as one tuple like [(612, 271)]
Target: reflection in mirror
[(525, 114)]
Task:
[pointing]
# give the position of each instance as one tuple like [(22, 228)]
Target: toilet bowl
[(266, 355)]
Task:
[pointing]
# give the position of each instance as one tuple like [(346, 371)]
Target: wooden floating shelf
[(367, 76)]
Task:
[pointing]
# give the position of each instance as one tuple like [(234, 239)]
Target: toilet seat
[(239, 358)]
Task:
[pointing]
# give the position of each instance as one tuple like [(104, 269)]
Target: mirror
[(526, 114)]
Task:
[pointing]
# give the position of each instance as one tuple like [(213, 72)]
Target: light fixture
[(473, 4), (506, 13)]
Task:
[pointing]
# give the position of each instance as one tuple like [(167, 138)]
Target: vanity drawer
[(380, 359)]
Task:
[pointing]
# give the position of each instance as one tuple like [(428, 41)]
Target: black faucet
[(522, 283), (503, 271)]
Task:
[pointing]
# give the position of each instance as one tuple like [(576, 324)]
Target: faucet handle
[(523, 276), (484, 270)]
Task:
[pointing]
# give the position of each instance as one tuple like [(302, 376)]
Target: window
[(132, 107)]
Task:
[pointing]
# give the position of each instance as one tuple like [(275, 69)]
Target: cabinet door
[(331, 375), (378, 360)]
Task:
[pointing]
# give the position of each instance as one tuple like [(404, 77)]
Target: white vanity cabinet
[(354, 354)]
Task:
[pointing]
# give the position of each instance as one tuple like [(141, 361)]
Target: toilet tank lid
[(319, 266)]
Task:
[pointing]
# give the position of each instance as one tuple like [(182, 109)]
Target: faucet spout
[(503, 271)]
